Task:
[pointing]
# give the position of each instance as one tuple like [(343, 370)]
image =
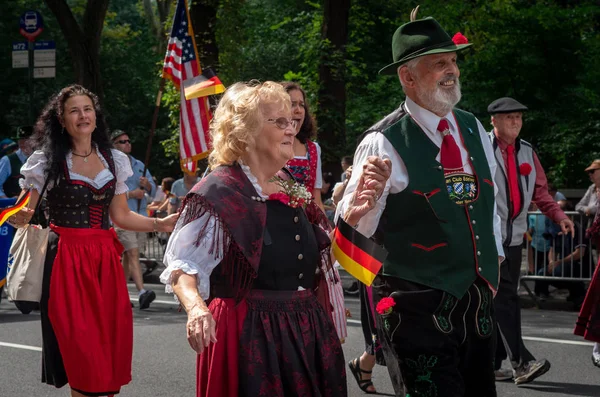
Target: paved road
[(164, 365)]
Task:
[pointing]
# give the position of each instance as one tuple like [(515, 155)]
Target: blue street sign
[(39, 45), (31, 24)]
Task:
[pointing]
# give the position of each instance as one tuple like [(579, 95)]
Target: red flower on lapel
[(459, 38), (525, 169)]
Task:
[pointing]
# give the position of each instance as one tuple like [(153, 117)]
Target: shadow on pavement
[(571, 389), (16, 317)]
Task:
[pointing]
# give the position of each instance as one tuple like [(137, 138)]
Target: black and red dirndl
[(87, 324), (274, 330)]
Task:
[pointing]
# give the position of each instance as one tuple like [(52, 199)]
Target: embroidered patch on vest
[(462, 188)]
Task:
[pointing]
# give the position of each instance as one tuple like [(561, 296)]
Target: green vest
[(431, 240)]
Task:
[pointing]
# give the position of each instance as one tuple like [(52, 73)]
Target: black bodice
[(77, 204), (290, 255)]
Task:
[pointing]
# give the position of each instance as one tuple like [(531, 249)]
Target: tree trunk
[(157, 22), (84, 43), (331, 110), (203, 14)]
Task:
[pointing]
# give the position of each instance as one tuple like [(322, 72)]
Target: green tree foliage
[(130, 66), (544, 53)]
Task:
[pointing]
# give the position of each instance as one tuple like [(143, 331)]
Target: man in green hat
[(437, 219), (10, 165)]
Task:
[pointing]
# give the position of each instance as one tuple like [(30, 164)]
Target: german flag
[(10, 211), (203, 85), (360, 256)]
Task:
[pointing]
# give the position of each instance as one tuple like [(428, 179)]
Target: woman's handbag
[(26, 263)]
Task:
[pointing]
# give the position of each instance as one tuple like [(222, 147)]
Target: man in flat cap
[(437, 220), (10, 165), (520, 180)]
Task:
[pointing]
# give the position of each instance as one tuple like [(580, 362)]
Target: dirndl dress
[(87, 324), (279, 337)]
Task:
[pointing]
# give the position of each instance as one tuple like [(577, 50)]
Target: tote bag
[(26, 261)]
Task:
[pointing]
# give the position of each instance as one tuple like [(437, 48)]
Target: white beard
[(441, 100)]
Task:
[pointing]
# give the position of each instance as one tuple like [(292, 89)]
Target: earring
[(63, 131)]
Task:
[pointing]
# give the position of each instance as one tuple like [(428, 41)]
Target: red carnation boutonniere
[(294, 194), (459, 38), (525, 169), (385, 306)]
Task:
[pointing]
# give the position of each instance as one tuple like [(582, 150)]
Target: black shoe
[(531, 370), (596, 361), (146, 298)]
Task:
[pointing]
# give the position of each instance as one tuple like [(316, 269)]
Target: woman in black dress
[(87, 326), (247, 264)]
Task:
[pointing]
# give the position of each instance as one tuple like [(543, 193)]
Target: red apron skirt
[(87, 324)]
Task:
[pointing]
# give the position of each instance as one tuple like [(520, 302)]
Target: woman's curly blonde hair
[(239, 117)]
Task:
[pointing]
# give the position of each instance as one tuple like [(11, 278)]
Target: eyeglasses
[(283, 123), (123, 141), (591, 172)]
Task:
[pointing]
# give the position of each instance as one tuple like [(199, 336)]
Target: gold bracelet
[(155, 225)]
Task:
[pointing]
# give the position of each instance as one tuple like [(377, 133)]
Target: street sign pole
[(30, 26), (30, 70)]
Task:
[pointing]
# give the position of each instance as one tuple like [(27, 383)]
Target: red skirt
[(273, 343), (588, 322), (90, 315)]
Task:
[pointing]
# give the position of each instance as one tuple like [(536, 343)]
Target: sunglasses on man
[(591, 172), (123, 141)]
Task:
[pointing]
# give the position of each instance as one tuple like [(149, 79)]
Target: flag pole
[(152, 129)]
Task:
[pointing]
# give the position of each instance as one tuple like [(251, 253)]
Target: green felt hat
[(422, 37)]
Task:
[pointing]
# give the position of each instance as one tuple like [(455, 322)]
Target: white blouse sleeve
[(183, 253), (319, 176), (123, 170), (33, 172)]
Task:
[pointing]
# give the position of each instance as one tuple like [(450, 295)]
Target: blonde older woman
[(246, 264)]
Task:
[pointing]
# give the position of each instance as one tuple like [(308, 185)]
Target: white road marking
[(23, 347), (559, 341), (531, 338)]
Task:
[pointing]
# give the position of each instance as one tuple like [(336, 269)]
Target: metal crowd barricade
[(573, 270), (152, 253)]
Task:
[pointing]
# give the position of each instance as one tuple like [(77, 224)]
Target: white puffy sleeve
[(33, 172), (123, 170), (183, 252)]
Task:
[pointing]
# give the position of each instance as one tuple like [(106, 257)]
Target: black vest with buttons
[(77, 204)]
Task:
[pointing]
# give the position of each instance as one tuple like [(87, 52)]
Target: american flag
[(182, 63)]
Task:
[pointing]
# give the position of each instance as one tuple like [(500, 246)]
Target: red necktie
[(513, 182), (450, 154)]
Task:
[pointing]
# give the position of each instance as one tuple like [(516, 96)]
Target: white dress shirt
[(376, 144)]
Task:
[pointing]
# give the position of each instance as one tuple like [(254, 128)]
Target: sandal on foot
[(357, 371)]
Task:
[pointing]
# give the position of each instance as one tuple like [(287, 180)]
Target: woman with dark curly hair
[(87, 326), (306, 164)]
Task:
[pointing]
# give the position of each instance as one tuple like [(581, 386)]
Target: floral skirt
[(282, 343)]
